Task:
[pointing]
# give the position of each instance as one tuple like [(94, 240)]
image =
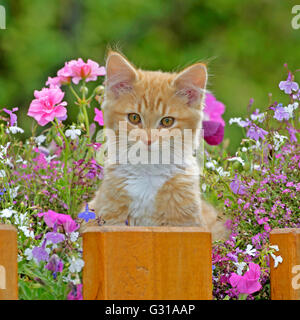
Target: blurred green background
[(245, 42)]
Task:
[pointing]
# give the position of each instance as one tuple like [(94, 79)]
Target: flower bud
[(58, 141), (237, 165), (84, 90), (80, 117), (99, 90)]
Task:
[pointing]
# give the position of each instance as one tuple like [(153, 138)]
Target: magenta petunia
[(213, 109), (51, 218), (48, 105), (249, 282), (213, 124), (99, 117)]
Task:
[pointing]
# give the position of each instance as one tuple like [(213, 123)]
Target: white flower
[(211, 164), (250, 251), (240, 267), (20, 219), (40, 139), (8, 162), (74, 236), (222, 173), (203, 187), (2, 174), (239, 159), (68, 279), (3, 150), (7, 213), (277, 259), (14, 192), (20, 159), (275, 247), (14, 130), (278, 140), (28, 233), (290, 109), (244, 149), (259, 117), (235, 120), (73, 133), (49, 158), (76, 265), (28, 254)]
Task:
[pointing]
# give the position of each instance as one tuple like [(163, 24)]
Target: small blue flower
[(87, 215), (2, 191)]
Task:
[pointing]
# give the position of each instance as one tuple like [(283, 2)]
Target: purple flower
[(87, 215), (281, 113), (54, 237), (257, 116), (288, 86), (13, 117), (39, 253), (292, 132), (254, 132), (55, 265), (237, 187)]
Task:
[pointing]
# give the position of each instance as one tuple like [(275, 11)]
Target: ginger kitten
[(153, 192)]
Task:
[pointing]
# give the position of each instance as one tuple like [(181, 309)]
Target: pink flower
[(213, 109), (99, 117), (213, 124), (249, 282), (262, 220), (78, 70), (51, 218), (75, 293), (48, 105)]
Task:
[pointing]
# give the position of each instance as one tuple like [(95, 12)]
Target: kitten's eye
[(167, 122), (134, 118)]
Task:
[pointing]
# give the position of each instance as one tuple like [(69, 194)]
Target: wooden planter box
[(8, 263), (141, 263), (154, 263), (285, 278)]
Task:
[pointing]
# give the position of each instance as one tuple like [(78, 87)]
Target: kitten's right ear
[(120, 74)]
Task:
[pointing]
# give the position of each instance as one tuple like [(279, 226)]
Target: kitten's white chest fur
[(142, 184)]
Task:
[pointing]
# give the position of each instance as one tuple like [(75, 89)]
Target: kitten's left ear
[(191, 83)]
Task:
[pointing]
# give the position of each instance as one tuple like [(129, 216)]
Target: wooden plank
[(141, 263), (285, 278), (8, 263)]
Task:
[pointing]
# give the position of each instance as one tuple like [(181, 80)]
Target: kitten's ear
[(120, 74), (191, 83)]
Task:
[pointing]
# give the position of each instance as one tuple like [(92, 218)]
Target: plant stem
[(67, 150)]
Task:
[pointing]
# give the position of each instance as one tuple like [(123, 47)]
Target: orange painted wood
[(8, 263), (141, 263), (285, 279)]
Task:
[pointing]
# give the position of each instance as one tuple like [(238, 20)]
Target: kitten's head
[(148, 100)]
